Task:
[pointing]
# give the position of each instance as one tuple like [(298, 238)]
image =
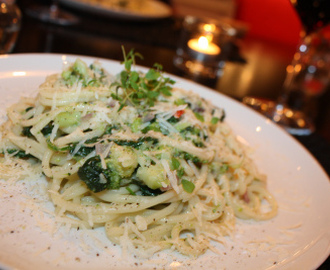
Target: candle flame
[(203, 42)]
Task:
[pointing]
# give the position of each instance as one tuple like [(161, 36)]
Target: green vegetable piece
[(166, 90), (55, 148), (198, 143), (180, 173), (153, 126), (110, 128), (136, 125), (66, 74), (152, 74), (191, 157), (175, 163), (188, 186), (134, 76), (90, 174), (224, 168), (128, 64), (28, 109), (199, 116), (146, 191), (123, 160), (152, 95), (93, 82), (173, 120), (139, 143), (48, 129), (153, 176), (68, 119), (26, 131), (223, 116), (82, 152), (19, 153), (179, 102), (97, 178), (215, 120), (219, 168), (80, 67), (181, 126), (141, 90), (130, 191), (113, 179), (191, 129)]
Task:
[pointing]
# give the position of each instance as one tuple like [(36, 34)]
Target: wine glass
[(307, 77), (52, 14), (10, 24)]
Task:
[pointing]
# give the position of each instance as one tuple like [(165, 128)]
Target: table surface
[(254, 67)]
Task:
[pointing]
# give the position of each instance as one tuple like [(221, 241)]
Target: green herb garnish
[(199, 116), (141, 90), (188, 186), (215, 120), (175, 163)]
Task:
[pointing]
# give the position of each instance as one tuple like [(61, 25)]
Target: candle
[(199, 51), (204, 46)]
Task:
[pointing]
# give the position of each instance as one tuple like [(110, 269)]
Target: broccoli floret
[(153, 176), (79, 70), (97, 178), (123, 160), (121, 164)]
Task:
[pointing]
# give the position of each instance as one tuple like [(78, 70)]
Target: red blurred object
[(273, 20), (179, 113), (314, 87)]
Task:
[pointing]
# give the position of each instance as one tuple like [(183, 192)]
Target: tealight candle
[(199, 49), (202, 45)]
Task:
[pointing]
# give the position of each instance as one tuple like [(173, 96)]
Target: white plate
[(298, 238), (151, 9)]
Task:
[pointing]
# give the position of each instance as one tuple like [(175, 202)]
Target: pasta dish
[(156, 166)]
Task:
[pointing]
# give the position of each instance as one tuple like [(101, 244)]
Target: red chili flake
[(178, 113)]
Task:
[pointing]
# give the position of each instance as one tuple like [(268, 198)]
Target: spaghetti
[(157, 167)]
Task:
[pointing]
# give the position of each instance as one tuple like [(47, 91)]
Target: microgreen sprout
[(139, 89)]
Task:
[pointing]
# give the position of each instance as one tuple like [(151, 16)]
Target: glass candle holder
[(203, 46)]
